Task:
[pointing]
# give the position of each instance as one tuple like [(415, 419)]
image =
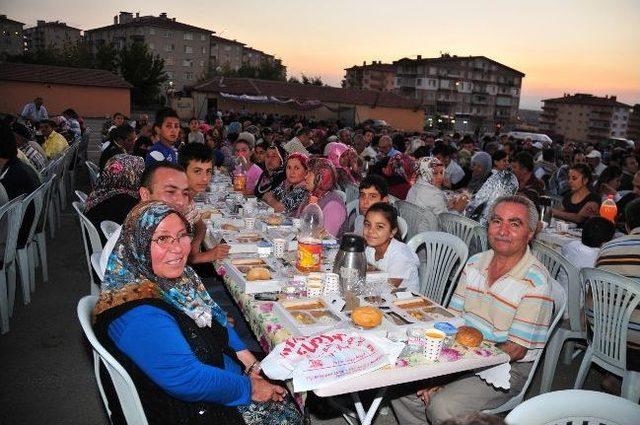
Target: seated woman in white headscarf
[(426, 192)]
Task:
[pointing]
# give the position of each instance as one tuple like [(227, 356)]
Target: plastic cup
[(249, 222), (433, 343), (416, 339), (279, 247)]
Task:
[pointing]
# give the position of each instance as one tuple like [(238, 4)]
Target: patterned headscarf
[(324, 176), (121, 175), (425, 168), (401, 165), (335, 153), (129, 275)]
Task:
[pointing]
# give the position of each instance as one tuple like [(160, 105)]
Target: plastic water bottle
[(608, 209), (310, 239)]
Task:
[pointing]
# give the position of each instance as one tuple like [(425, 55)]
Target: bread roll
[(468, 336), (274, 220), (228, 226), (258, 273), (367, 317)]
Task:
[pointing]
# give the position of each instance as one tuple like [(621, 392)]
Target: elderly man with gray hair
[(505, 293)]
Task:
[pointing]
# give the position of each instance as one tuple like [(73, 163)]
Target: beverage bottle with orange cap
[(310, 238), (608, 209)]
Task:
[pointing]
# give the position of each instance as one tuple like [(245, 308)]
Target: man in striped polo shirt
[(506, 294)]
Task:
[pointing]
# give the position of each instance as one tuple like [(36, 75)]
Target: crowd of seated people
[(151, 170)]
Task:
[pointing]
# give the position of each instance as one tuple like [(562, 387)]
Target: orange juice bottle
[(608, 209), (309, 242)]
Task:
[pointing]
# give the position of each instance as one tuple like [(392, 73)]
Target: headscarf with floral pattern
[(121, 175)]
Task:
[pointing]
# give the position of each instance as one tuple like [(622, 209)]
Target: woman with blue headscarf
[(156, 318)]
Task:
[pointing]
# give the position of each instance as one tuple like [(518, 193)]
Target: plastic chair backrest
[(94, 244), (418, 219), (445, 255), (93, 173), (557, 265), (46, 199), (108, 227), (576, 407), (614, 298), (11, 214), (403, 227), (352, 192), (470, 231), (124, 386), (82, 197), (352, 207), (35, 198)]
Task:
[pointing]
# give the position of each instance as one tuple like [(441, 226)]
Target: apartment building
[(374, 76), (225, 54), (184, 48), (12, 43), (584, 117), (633, 127), (485, 92), (55, 34)]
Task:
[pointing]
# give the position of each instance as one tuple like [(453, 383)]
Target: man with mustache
[(505, 293)]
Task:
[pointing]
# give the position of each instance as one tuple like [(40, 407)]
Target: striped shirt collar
[(517, 272)]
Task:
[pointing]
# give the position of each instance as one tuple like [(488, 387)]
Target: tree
[(144, 71), (311, 81), (107, 57)]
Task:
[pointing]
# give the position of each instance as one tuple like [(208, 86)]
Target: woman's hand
[(262, 390), (220, 251), (459, 203), (426, 394)]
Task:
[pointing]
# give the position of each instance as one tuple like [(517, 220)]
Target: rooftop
[(13, 71), (226, 40), (161, 21), (374, 66), (3, 18), (450, 59), (58, 24), (587, 99), (254, 87)]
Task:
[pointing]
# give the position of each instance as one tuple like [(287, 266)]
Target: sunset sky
[(585, 46)]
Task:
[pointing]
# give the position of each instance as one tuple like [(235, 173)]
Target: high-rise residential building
[(55, 34), (12, 43), (184, 48), (483, 92), (226, 54), (633, 127), (585, 117), (374, 76)]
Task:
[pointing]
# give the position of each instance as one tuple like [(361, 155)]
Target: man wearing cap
[(300, 142), (595, 161), (31, 149)]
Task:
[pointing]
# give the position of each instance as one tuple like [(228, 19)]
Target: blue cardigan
[(151, 338)]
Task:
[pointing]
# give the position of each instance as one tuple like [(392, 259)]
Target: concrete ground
[(46, 372)]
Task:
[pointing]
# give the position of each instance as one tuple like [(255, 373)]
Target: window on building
[(170, 61), (188, 49), (227, 48), (187, 62), (201, 62), (168, 34), (169, 47), (188, 36), (188, 76), (203, 50), (203, 37), (419, 81), (152, 31)]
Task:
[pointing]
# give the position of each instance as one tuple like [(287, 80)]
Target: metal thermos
[(351, 265)]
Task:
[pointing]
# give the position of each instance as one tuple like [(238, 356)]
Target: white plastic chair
[(342, 195), (579, 407), (108, 228), (559, 267), (352, 192), (10, 219), (559, 304), (445, 256), (95, 264), (91, 246), (614, 299), (26, 254), (418, 219), (40, 238), (124, 386), (94, 171), (470, 231), (81, 196)]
